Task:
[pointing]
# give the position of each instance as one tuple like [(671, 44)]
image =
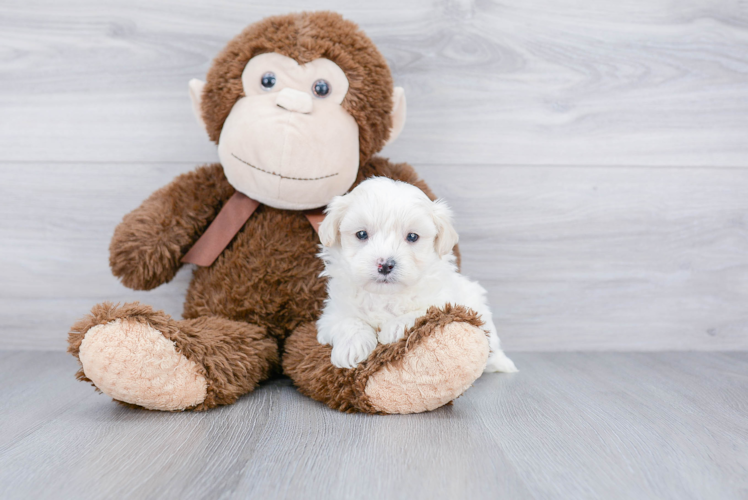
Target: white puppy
[(388, 255)]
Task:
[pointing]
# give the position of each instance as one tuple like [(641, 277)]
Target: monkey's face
[(289, 143)]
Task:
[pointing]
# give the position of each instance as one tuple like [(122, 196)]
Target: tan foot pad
[(135, 363), (439, 369)]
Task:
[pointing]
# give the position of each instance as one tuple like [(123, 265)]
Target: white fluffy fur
[(364, 306)]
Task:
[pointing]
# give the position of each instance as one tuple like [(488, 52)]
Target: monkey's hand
[(148, 245)]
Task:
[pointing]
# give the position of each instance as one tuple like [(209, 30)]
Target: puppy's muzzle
[(385, 267)]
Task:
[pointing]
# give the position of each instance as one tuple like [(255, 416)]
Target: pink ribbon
[(230, 220)]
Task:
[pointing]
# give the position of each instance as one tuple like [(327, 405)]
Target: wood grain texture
[(595, 154), (569, 425), (622, 82), (573, 259)]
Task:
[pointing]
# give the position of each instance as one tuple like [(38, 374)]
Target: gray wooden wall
[(596, 154)]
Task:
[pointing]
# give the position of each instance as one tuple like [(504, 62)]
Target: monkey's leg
[(436, 361), (145, 358)]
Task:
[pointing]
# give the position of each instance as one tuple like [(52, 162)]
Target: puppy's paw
[(352, 343), (498, 362), (395, 329), (351, 351)]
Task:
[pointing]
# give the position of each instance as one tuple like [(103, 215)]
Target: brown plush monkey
[(298, 106)]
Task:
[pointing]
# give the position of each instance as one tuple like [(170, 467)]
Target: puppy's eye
[(268, 80), (412, 237), (362, 235)]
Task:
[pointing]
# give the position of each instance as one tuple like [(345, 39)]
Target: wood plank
[(622, 425), (569, 425), (34, 387), (616, 258), (617, 83), (573, 258)]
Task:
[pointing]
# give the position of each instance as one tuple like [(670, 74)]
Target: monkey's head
[(296, 103)]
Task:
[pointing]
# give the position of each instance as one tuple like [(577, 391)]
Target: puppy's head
[(386, 233)]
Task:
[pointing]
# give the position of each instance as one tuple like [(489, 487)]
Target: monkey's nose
[(294, 100), (385, 267)]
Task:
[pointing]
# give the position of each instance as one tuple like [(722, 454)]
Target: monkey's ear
[(329, 230), (196, 96), (398, 113)]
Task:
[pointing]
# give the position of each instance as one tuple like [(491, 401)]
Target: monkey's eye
[(412, 237), (268, 80), (362, 235), (321, 88)]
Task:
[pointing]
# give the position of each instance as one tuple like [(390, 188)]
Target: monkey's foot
[(434, 363), (145, 358), (125, 356), (134, 363)]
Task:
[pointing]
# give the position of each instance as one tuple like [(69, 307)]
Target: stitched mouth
[(284, 176)]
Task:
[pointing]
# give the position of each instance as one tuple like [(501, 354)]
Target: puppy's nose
[(385, 267)]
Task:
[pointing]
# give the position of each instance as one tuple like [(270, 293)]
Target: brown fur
[(266, 281), (304, 37), (265, 285), (267, 276), (234, 357), (307, 361), (148, 244)]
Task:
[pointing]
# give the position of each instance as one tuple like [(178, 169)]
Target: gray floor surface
[(569, 425)]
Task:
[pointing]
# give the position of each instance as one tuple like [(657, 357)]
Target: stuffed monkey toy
[(298, 106)]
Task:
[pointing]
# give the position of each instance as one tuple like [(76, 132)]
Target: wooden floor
[(569, 425)]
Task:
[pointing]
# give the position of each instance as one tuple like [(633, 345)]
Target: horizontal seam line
[(283, 176), (456, 165)]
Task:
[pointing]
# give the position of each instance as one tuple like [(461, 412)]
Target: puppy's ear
[(446, 236), (329, 230)]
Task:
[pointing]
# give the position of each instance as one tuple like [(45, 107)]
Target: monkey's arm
[(382, 167), (148, 244)]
